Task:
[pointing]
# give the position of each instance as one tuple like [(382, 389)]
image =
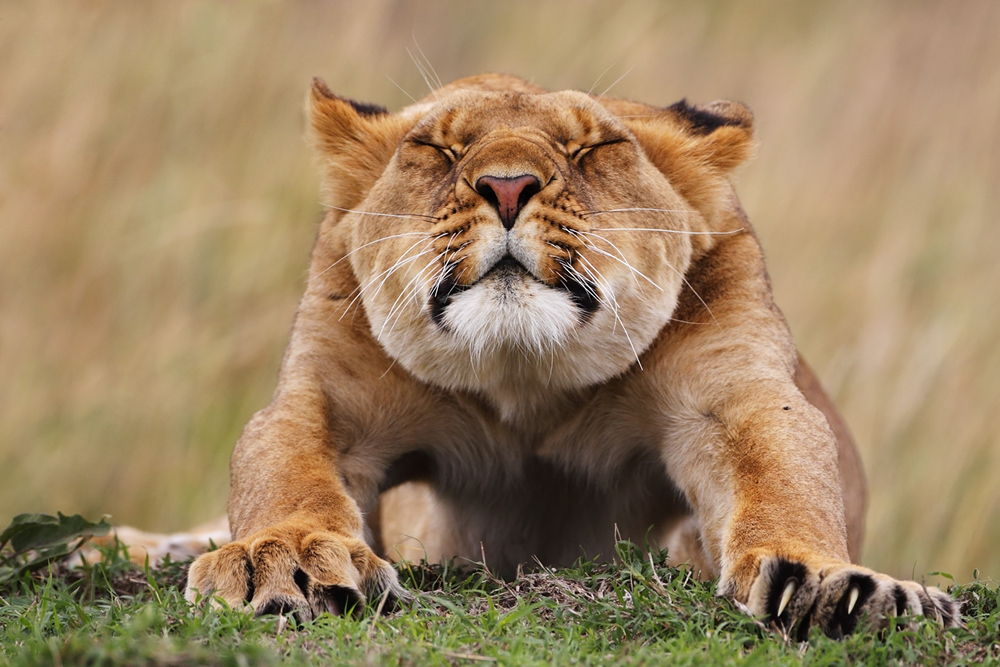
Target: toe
[(783, 592), (335, 600), (226, 573), (277, 578), (845, 597), (935, 604), (947, 607)]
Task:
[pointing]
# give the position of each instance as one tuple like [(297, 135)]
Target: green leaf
[(39, 539), (20, 522), (46, 556), (43, 531)]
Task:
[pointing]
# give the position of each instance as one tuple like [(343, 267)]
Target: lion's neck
[(528, 414), (525, 394)]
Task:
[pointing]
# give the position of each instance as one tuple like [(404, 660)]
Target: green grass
[(637, 611), (158, 204)]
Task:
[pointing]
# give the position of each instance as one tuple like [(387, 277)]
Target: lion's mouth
[(508, 269)]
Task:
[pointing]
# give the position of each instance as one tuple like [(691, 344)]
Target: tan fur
[(622, 371)]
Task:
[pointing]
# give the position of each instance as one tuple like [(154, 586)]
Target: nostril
[(508, 194), (529, 191), (486, 191)]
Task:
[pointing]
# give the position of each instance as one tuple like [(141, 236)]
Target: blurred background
[(158, 204)]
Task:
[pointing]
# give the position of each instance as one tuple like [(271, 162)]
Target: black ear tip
[(705, 119), (320, 91), (737, 113), (681, 107), (366, 109)]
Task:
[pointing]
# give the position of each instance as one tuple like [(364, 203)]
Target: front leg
[(307, 466), (772, 515), (758, 463), (298, 534)]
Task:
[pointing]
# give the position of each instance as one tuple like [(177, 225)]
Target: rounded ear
[(334, 119), (696, 147), (355, 142), (727, 129)]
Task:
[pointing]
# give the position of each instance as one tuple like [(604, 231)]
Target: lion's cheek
[(520, 344)]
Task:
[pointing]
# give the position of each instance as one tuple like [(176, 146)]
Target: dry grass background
[(157, 206)]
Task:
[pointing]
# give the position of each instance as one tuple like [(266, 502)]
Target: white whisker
[(425, 73), (420, 68), (589, 92), (435, 79), (693, 291), (621, 259), (583, 280), (635, 208), (629, 339), (415, 216), (398, 264), (370, 243), (401, 301), (598, 279), (614, 311), (388, 369), (615, 82), (552, 365), (446, 265), (665, 231), (669, 265), (403, 91)]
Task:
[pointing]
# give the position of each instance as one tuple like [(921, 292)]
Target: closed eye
[(580, 152), (448, 152)]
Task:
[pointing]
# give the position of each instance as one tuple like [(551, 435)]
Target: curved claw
[(786, 595), (852, 597)]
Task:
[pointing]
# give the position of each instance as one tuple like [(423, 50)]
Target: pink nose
[(508, 195)]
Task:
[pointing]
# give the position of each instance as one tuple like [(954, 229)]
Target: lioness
[(534, 319)]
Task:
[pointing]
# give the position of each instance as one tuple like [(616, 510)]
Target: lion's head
[(516, 242)]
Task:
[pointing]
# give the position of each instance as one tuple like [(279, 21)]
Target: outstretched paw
[(839, 598), (284, 570)]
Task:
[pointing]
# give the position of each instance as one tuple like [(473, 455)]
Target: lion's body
[(562, 512), (536, 322)]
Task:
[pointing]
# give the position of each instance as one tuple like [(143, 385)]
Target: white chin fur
[(508, 313)]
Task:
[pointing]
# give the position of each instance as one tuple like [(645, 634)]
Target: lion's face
[(514, 243)]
